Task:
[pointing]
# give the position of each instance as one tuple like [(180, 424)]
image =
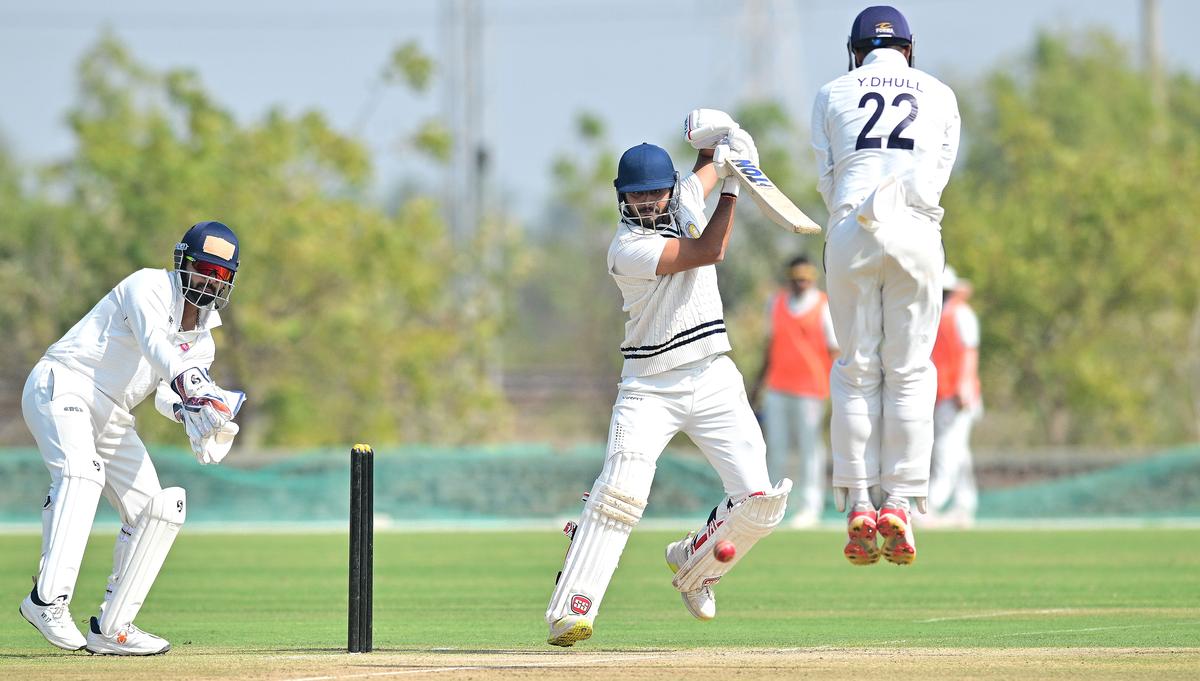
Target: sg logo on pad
[(580, 604)]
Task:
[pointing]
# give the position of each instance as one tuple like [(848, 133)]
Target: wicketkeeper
[(152, 334), (676, 377)]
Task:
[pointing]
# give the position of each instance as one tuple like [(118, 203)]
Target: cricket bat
[(772, 202)]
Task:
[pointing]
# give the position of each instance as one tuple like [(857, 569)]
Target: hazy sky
[(639, 65)]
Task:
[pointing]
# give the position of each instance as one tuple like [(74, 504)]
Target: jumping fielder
[(676, 377), (150, 335), (885, 137)]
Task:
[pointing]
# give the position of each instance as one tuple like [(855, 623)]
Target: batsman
[(152, 334), (676, 378)]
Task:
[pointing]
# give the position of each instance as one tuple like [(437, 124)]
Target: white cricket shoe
[(54, 622), (128, 641), (702, 603), (566, 631)]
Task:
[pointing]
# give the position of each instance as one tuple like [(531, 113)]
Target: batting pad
[(747, 522), (153, 534), (613, 507), (66, 524)]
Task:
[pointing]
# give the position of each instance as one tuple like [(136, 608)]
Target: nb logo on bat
[(751, 172)]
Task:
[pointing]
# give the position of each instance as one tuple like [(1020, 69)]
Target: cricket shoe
[(128, 641), (862, 548), (567, 631), (899, 546), (702, 603), (53, 621)]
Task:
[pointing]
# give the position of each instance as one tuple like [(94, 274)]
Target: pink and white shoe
[(899, 545), (862, 549)]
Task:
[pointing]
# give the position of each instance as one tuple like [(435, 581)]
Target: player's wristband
[(729, 195), (730, 187)]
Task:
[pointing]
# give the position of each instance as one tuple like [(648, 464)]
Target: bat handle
[(720, 154)]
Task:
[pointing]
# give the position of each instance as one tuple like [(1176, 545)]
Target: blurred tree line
[(1070, 210), (345, 322)]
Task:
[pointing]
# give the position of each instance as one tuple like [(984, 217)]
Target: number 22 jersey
[(884, 119)]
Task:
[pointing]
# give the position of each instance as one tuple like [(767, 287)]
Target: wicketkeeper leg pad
[(143, 556), (746, 523), (66, 524), (613, 507)]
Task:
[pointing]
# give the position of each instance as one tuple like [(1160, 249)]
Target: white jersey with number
[(884, 119), (674, 319), (130, 343)]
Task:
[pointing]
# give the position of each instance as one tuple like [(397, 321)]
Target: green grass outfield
[(226, 599)]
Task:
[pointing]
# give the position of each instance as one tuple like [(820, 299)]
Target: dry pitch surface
[(640, 665)]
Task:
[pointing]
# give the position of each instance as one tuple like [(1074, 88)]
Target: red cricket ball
[(724, 551)]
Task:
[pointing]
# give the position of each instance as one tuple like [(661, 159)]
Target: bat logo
[(751, 172)]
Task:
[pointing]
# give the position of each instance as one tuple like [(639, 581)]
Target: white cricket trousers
[(885, 299), (796, 446), (706, 402), (90, 447), (951, 474)]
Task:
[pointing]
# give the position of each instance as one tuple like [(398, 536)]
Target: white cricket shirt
[(130, 342), (674, 319), (884, 119), (967, 325)]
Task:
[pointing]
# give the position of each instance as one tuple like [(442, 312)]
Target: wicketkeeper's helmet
[(211, 248)]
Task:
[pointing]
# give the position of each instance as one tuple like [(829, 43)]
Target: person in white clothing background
[(885, 136), (953, 496), (150, 335), (676, 377)]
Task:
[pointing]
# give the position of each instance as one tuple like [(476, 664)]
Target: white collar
[(885, 54)]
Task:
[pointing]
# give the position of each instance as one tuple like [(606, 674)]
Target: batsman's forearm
[(715, 238)]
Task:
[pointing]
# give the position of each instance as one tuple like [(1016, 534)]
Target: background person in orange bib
[(799, 353), (953, 496)]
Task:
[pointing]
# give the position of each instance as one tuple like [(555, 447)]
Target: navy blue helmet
[(206, 259), (644, 168), (878, 26)]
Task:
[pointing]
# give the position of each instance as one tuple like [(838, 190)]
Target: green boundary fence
[(498, 484)]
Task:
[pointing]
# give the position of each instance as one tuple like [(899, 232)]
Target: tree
[(343, 323), (1069, 217)]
